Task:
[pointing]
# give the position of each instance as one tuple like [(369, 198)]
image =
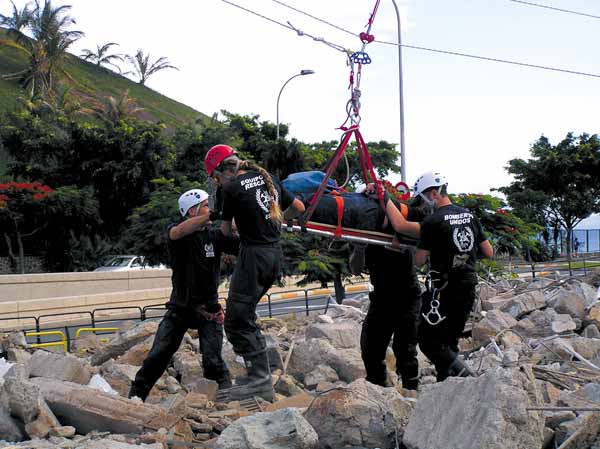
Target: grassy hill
[(90, 84)]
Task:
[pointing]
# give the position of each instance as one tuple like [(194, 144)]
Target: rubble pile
[(534, 345)]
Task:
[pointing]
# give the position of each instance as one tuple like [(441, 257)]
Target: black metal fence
[(277, 303)]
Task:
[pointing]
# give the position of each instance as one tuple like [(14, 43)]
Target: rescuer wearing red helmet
[(254, 200)]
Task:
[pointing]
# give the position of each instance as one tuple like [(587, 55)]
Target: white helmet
[(428, 180), (190, 199)]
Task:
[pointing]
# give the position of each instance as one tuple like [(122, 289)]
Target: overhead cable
[(414, 47), (553, 8), (289, 26)]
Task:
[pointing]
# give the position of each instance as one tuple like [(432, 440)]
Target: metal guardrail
[(581, 265), (62, 342), (141, 313)]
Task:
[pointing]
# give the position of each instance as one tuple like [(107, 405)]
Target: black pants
[(168, 338), (440, 342), (393, 313), (256, 270)]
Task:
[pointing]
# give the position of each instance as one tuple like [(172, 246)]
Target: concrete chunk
[(87, 409), (124, 341), (281, 429), (59, 367), (479, 412), (341, 334), (362, 414)]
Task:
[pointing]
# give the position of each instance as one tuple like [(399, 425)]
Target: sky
[(464, 117)]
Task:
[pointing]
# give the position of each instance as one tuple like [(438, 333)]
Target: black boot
[(410, 384), (459, 369), (225, 382), (258, 382), (138, 391)]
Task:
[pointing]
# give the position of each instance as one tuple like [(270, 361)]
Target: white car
[(127, 263)]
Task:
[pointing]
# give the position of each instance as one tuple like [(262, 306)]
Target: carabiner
[(434, 313)]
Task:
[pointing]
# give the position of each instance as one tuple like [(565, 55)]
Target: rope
[(289, 26)]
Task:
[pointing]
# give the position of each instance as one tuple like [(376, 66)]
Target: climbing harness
[(433, 317)]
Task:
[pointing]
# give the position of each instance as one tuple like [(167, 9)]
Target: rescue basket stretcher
[(347, 234)]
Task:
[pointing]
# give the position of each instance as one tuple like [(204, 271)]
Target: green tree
[(112, 110), (560, 183), (33, 215), (46, 44), (144, 68), (102, 56), (18, 22), (146, 232), (508, 233)]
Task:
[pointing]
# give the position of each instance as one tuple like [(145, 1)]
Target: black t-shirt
[(196, 261), (452, 236), (246, 200), (391, 269)]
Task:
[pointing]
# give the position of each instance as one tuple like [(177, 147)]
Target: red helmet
[(215, 156)]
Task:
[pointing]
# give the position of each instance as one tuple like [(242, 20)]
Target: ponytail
[(274, 209)]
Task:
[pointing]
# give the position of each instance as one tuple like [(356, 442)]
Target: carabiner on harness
[(433, 317)]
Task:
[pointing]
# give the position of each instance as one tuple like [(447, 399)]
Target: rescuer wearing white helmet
[(195, 257), (450, 239)]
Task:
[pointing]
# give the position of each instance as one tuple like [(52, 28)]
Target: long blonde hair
[(275, 213), (274, 210)]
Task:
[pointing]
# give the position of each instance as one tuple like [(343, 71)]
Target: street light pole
[(302, 73), (401, 89)]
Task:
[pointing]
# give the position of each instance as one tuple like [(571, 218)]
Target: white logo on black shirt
[(264, 199), (209, 250), (464, 239)]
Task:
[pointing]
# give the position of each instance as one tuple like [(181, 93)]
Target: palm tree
[(47, 47), (114, 109), (144, 68), (18, 22), (101, 56)]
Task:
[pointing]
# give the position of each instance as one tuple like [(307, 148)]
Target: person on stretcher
[(361, 211)]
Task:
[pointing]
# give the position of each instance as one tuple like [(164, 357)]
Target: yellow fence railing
[(62, 342)]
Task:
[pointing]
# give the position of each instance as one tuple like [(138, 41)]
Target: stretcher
[(347, 234)]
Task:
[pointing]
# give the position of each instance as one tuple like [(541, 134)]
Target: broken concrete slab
[(204, 386), (137, 354), (281, 429), (123, 341), (119, 376), (361, 414), (563, 323), (494, 322), (341, 334), (322, 373), (567, 301), (10, 429), (87, 409), (26, 402), (188, 366), (307, 354), (520, 305), (58, 366), (496, 401)]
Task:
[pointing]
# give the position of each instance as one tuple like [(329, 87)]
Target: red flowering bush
[(23, 191)]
